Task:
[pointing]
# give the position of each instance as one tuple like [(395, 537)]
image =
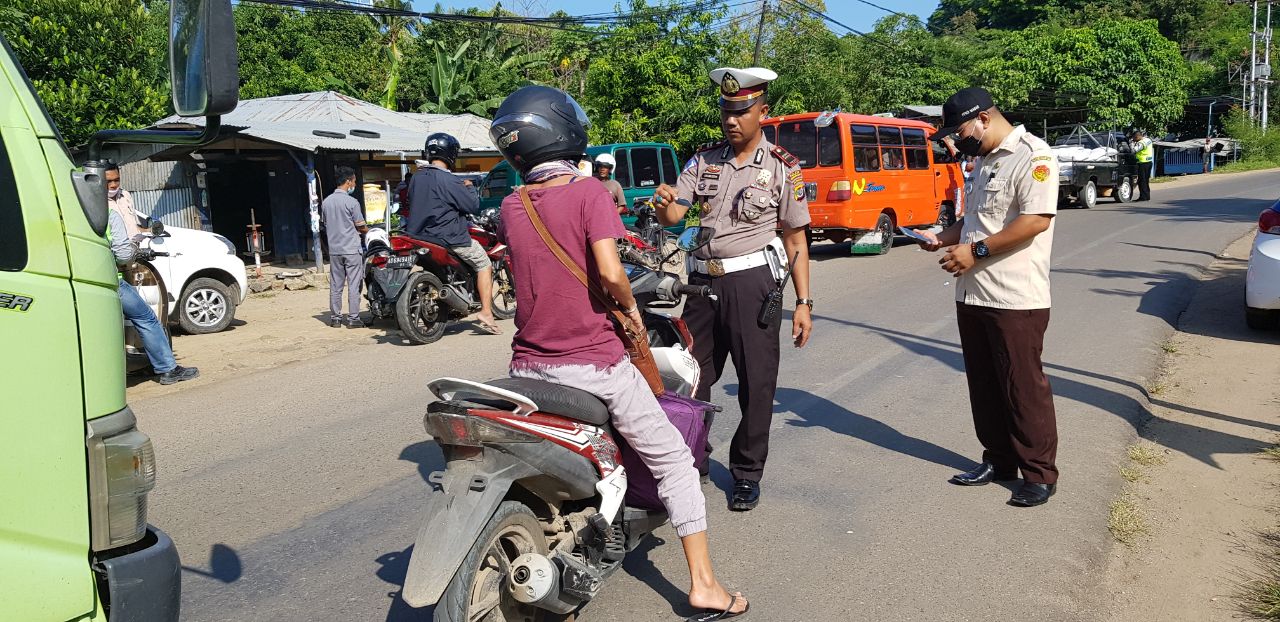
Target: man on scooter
[(439, 203), (564, 337)]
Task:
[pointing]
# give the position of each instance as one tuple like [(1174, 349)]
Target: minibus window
[(771, 134), (891, 148), (917, 143), (622, 174), (829, 146), (644, 167), (941, 155), (669, 173), (13, 236), (866, 156), (800, 138)]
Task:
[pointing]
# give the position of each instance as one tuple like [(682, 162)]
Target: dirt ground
[(1209, 490)]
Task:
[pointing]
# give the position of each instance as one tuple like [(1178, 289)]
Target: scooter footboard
[(466, 495)]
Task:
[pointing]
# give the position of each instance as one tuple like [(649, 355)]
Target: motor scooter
[(424, 285), (540, 502), (145, 278)]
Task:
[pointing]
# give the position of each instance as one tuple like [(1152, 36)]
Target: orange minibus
[(864, 176)]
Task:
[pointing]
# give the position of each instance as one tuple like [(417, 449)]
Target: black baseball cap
[(961, 107)]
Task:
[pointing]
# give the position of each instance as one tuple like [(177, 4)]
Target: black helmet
[(441, 146), (539, 124)]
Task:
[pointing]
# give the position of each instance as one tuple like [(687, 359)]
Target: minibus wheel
[(885, 226)]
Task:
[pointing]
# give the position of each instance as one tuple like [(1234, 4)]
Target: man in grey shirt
[(344, 223)]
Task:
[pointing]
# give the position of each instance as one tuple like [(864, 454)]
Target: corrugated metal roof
[(292, 119)]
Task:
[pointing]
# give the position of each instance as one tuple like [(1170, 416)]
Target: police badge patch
[(763, 179), (1040, 172)]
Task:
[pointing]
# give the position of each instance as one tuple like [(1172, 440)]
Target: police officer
[(1145, 152), (746, 189)]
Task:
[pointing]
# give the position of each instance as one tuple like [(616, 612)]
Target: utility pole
[(1252, 102), (764, 10), (1266, 66)]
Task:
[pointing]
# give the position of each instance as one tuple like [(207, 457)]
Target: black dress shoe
[(984, 474), (1031, 495), (746, 495)]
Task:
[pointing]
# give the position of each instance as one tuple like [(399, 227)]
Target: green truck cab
[(642, 167), (74, 539)]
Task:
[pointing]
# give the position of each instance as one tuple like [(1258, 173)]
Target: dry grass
[(1169, 347), (1131, 474), (1259, 596), (1272, 453), (1125, 520), (1146, 454)]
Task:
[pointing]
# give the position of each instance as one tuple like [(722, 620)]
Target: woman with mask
[(564, 338)]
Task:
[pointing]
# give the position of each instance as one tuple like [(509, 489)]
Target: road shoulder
[(1200, 490)]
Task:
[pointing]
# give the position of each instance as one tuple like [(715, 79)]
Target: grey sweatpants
[(636, 415), (345, 270)]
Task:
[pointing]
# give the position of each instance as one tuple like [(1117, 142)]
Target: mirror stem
[(212, 125)]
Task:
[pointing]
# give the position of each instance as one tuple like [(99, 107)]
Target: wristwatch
[(980, 250), (805, 301)]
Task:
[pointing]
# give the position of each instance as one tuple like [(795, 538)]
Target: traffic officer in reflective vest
[(746, 189), (1145, 152)]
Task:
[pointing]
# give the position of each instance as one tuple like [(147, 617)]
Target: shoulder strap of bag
[(569, 263)]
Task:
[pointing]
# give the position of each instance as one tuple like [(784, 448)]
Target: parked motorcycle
[(540, 502), (424, 285), (647, 243)]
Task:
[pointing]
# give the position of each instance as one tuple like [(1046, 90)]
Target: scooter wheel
[(479, 586)]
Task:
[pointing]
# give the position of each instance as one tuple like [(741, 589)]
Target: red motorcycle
[(424, 285)]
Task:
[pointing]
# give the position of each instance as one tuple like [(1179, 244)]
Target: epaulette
[(786, 157), (715, 144)]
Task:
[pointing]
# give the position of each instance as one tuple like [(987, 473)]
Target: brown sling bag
[(637, 344)]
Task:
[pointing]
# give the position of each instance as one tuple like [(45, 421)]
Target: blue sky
[(849, 12)]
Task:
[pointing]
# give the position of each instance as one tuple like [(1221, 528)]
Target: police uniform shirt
[(1018, 177), (744, 203)]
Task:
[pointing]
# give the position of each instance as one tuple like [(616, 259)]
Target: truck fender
[(466, 495)]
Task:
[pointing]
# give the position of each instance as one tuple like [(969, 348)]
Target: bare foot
[(717, 598)]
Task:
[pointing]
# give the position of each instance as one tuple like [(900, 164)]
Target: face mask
[(971, 145), (351, 190), (115, 194)]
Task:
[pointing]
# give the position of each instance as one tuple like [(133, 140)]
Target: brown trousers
[(1009, 392)]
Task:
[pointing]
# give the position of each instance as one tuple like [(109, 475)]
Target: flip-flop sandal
[(710, 615), (486, 327)]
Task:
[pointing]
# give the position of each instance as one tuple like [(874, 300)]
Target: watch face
[(982, 250)]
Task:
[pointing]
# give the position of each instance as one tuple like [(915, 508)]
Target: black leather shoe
[(746, 495), (984, 474), (1031, 495)]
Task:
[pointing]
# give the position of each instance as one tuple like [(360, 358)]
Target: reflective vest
[(1146, 150)]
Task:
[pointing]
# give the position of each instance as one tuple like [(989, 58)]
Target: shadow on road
[(1225, 209), (1129, 408), (224, 565), (392, 568)]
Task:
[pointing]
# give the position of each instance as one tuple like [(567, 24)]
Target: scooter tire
[(513, 528), (418, 324), (504, 292)]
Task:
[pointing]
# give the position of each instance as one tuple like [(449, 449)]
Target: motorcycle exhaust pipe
[(455, 300), (535, 580)]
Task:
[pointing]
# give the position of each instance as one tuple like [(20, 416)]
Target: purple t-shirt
[(558, 322)]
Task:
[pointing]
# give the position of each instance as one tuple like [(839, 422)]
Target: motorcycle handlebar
[(694, 290)]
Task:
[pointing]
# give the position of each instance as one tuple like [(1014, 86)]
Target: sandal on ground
[(710, 615), (488, 327)]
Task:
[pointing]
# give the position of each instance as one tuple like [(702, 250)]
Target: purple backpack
[(693, 419)]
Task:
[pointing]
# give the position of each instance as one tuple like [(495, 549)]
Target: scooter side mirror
[(157, 228), (694, 238)]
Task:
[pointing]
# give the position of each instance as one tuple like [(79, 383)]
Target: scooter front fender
[(466, 494)]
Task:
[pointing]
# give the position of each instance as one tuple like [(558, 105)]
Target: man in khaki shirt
[(119, 200), (1000, 256), (746, 189)]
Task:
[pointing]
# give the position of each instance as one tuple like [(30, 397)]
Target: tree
[(396, 31), (1122, 72), (285, 51), (95, 65)]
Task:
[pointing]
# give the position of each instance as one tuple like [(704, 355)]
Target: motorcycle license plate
[(399, 262)]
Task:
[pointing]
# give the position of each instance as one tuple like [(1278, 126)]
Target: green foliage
[(284, 51), (1123, 72), (1255, 144), (397, 32), (94, 64)]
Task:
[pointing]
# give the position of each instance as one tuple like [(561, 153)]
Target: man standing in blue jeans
[(144, 320)]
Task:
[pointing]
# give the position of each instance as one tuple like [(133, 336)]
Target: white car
[(1262, 285), (204, 278)]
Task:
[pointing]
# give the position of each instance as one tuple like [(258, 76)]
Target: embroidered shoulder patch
[(786, 157), (1040, 172), (1042, 158)]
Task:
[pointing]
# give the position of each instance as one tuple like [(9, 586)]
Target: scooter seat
[(558, 399)]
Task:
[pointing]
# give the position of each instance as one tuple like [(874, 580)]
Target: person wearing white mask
[(344, 224), (120, 201)]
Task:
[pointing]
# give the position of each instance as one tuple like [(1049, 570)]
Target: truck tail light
[(1269, 219), (122, 471), (454, 429), (841, 190)]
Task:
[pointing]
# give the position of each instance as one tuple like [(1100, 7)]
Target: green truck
[(642, 167), (74, 539)]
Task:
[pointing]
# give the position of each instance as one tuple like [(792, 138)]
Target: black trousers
[(1144, 180), (1009, 392), (728, 328)]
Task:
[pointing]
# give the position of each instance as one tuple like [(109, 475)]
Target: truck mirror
[(203, 62), (91, 190)]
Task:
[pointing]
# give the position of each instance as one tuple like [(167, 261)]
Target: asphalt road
[(293, 493)]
